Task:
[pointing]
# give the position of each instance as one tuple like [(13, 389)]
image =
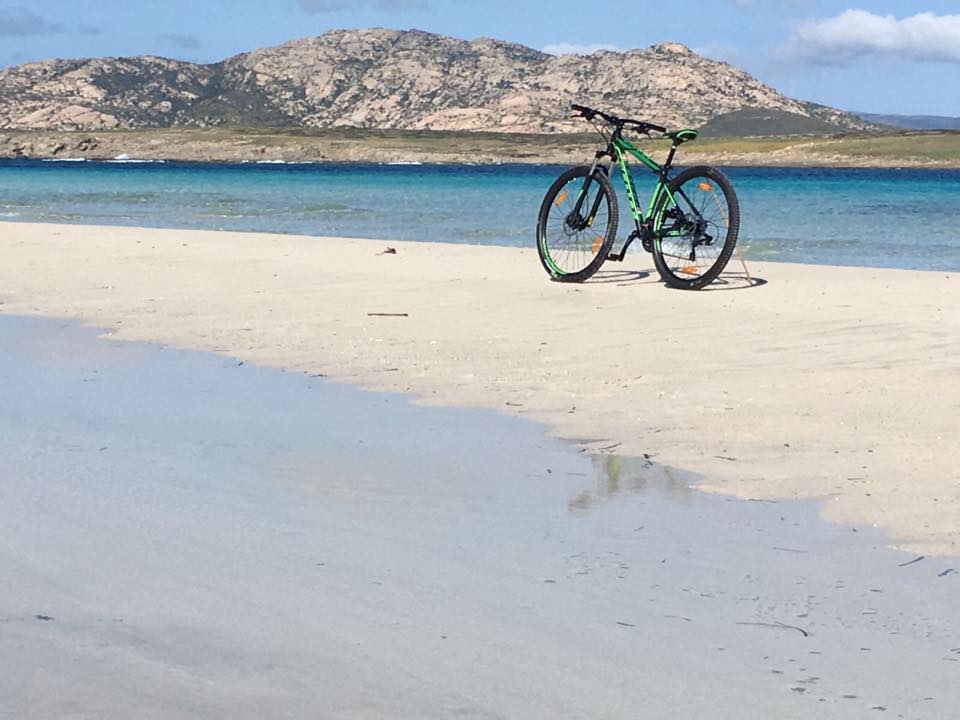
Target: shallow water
[(870, 217), (183, 535)]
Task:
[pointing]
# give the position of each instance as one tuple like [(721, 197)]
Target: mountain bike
[(690, 226)]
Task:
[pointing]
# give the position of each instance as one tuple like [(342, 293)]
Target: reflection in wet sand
[(623, 476)]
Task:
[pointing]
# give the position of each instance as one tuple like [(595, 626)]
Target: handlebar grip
[(656, 128), (585, 112)]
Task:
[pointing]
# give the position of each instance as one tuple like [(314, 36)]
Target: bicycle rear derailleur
[(685, 226)]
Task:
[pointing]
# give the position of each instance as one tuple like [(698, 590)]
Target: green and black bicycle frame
[(648, 229)]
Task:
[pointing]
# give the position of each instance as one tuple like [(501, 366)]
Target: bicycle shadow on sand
[(727, 281), (618, 276), (735, 281)]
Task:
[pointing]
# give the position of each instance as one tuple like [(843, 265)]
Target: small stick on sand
[(782, 626)]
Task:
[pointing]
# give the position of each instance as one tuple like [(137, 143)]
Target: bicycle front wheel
[(577, 224), (697, 223)]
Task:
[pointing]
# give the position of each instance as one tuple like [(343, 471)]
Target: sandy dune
[(839, 383)]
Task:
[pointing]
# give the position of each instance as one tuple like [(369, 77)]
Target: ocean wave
[(127, 161), (225, 214), (329, 207), (64, 217), (64, 160), (116, 196), (250, 209), (482, 233), (280, 162)]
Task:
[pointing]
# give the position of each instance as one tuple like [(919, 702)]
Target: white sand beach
[(823, 382)]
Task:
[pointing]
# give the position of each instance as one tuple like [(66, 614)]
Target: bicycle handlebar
[(591, 113)]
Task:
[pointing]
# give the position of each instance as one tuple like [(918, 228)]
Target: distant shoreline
[(893, 150), (506, 162)]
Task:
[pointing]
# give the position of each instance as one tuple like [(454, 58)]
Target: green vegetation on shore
[(915, 149)]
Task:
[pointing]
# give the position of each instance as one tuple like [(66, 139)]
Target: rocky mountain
[(390, 79)]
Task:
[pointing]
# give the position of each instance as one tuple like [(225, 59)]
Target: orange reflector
[(706, 187), (560, 198), (597, 243), (690, 270)]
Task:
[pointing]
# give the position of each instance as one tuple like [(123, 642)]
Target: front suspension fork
[(585, 191)]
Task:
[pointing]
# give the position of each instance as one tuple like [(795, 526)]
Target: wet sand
[(824, 382), (186, 536)]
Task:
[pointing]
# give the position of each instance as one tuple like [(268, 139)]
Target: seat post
[(670, 156)]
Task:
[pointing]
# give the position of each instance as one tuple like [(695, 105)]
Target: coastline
[(826, 382), (940, 150)]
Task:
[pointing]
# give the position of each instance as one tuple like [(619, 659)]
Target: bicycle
[(690, 226)]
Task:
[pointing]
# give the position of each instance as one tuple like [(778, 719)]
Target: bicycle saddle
[(682, 136)]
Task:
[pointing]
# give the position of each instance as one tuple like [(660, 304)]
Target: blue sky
[(898, 56)]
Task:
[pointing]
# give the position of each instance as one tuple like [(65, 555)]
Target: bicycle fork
[(575, 219)]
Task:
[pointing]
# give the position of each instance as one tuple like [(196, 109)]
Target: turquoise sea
[(869, 217)]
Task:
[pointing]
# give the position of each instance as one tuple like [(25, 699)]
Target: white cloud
[(858, 33), (575, 49)]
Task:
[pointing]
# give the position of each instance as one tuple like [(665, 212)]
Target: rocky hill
[(389, 79)]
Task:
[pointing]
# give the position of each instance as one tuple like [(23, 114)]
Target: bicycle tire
[(676, 243), (574, 255)]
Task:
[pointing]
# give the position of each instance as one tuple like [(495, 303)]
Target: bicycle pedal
[(615, 257)]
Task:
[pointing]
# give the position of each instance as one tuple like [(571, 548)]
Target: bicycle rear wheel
[(577, 224), (697, 224)]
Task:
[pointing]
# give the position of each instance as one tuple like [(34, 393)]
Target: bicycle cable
[(599, 128)]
